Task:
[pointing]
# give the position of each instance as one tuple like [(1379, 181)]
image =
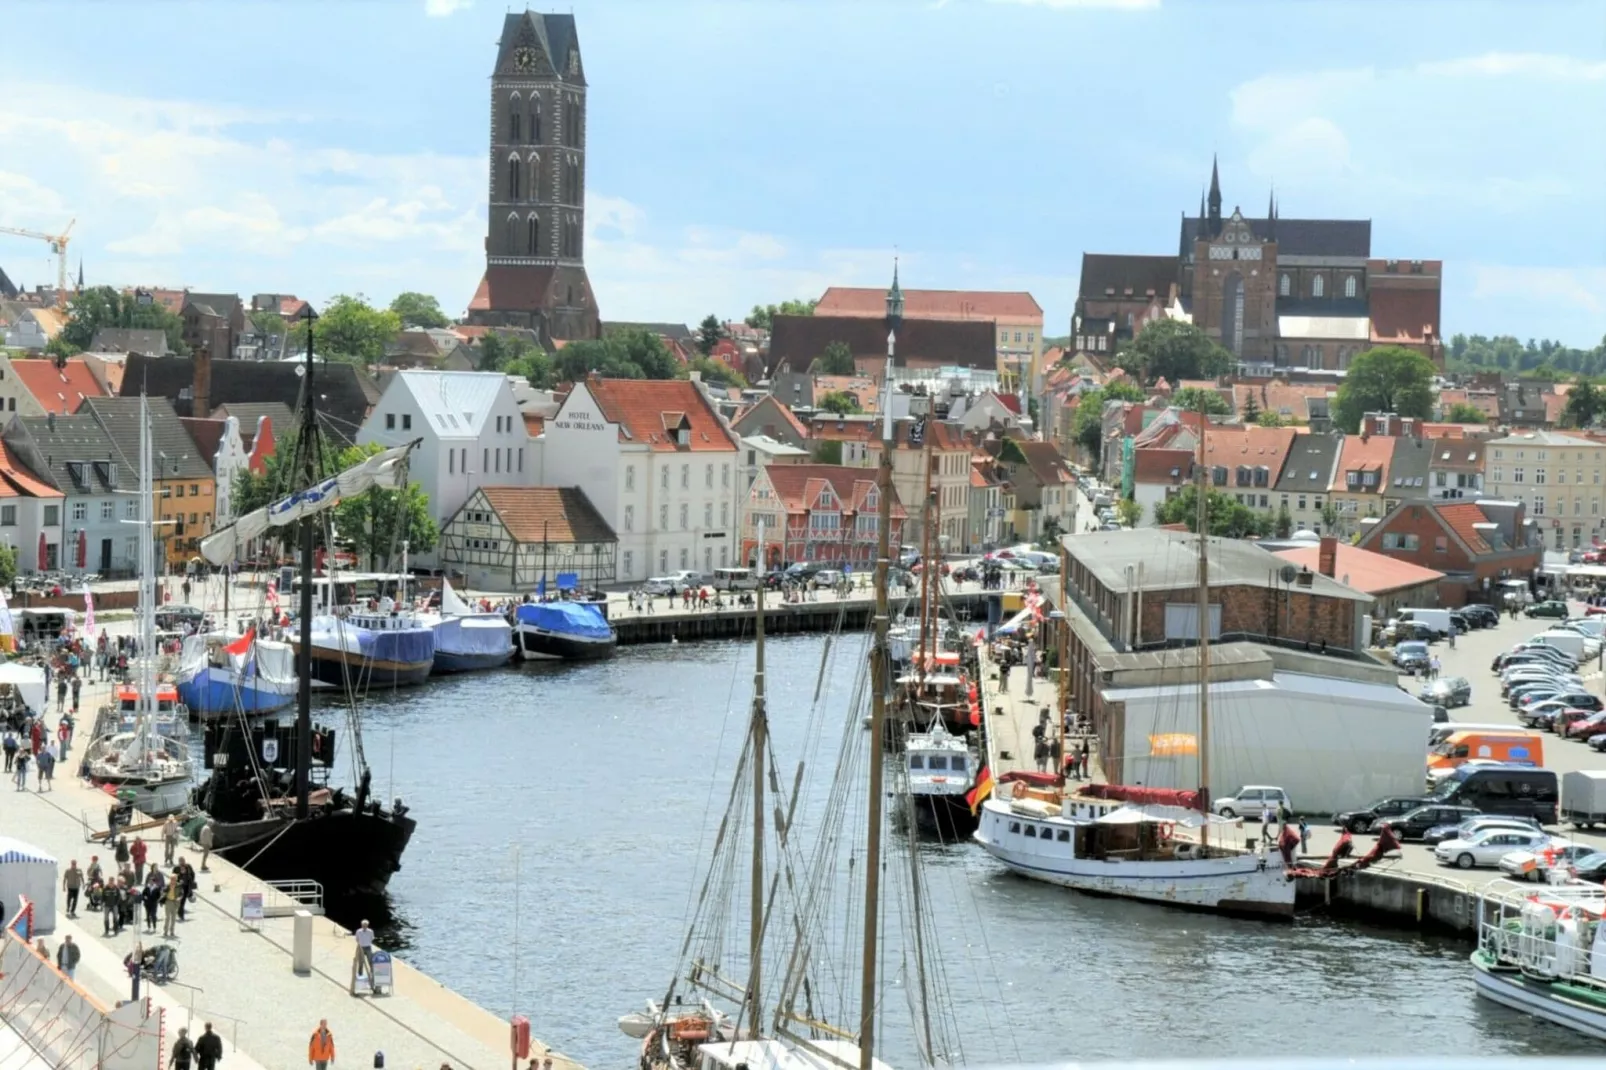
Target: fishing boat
[(266, 813), (219, 676), (1544, 952), (466, 640), (939, 772), (563, 630), (363, 649), (140, 764)]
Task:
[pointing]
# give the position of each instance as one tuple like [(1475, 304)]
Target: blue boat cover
[(566, 618), (411, 646), (482, 634)]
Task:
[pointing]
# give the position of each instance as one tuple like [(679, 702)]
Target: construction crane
[(58, 245)]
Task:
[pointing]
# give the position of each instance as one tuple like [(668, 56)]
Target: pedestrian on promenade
[(67, 956), (22, 771), (364, 961), (183, 1051), (186, 886), (1265, 822), (1452, 637), (321, 1048), (137, 852), (134, 963), (1304, 836), (121, 853), (206, 843), (169, 840), (109, 910), (36, 734), (64, 734), (10, 744), (150, 898), (1082, 757), (46, 764), (170, 901), (77, 683), (61, 693), (1433, 668), (94, 872), (208, 1049), (72, 882)]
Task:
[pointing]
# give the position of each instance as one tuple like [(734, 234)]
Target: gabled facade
[(470, 434), (185, 488), (213, 324), (1044, 497), (769, 417), (229, 455), (30, 516), (1360, 482), (513, 538), (75, 456), (1475, 544), (660, 466), (988, 524), (949, 463), (816, 512), (1308, 472)]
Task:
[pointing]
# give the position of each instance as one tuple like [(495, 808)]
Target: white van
[(1436, 619), (735, 579), (1574, 645)]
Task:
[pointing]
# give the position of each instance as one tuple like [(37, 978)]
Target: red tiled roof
[(1555, 405), (1255, 446), (556, 514), (1009, 401), (1459, 518), (649, 411), (931, 304), (1364, 453), (1404, 316), (17, 482), (1156, 466), (1044, 459), (59, 390), (798, 486), (512, 288), (1285, 399), (534, 424), (1376, 574), (771, 405), (832, 428)]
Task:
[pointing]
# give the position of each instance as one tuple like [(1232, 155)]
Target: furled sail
[(386, 470)]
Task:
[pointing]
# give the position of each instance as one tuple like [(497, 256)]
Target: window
[(407, 421), (708, 477), (485, 459), (532, 237), (685, 477), (390, 421), (1284, 285), (1103, 342), (496, 461), (725, 475), (1318, 286), (1539, 505), (685, 513), (521, 458), (663, 518), (52, 515), (535, 120), (130, 510), (451, 462), (1516, 475), (514, 133), (685, 557), (514, 171), (663, 560), (708, 514), (1349, 286), (1302, 503), (178, 491), (1078, 343), (8, 516), (462, 460), (630, 477), (663, 478), (194, 519), (80, 511), (1003, 337), (1441, 544), (630, 518), (1499, 474), (108, 510), (629, 564), (1539, 475)]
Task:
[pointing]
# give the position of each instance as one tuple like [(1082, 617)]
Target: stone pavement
[(241, 978)]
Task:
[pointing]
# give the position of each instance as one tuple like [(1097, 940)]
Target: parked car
[(1364, 818), (1448, 691), (1582, 727), (1487, 848), (1477, 823), (1480, 616), (1591, 867), (1414, 824), (801, 571), (1542, 714), (1252, 800), (174, 616), (1536, 865), (827, 577), (1411, 656), (1551, 608)]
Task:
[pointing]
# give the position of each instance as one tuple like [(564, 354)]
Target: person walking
[(183, 1051), (22, 771), (10, 744), (206, 843), (1082, 761), (67, 956), (169, 840), (108, 910), (364, 961), (171, 898), (46, 764), (186, 886), (321, 1048), (77, 683), (72, 882), (120, 854), (1433, 667), (1304, 836), (61, 693), (64, 734), (208, 1049), (150, 897), (137, 852)]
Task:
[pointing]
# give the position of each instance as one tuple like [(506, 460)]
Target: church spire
[(80, 274), (1215, 198), (1271, 214)]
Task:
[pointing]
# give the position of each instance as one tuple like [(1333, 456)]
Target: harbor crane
[(58, 245)]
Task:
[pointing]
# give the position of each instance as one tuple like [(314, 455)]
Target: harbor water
[(610, 777)]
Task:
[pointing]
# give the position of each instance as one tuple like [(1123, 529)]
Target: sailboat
[(149, 768), (218, 675), (266, 814), (1137, 842), (466, 640)]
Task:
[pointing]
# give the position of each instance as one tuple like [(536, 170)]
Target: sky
[(752, 151)]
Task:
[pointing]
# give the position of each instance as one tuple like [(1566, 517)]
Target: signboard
[(381, 970), (250, 906), (1171, 744), (270, 750), (568, 581)]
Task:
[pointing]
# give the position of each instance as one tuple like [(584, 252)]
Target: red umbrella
[(83, 548), (44, 549)]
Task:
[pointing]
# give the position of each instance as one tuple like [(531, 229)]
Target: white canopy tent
[(25, 870), (29, 680)]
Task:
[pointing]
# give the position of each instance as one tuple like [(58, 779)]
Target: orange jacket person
[(321, 1048)]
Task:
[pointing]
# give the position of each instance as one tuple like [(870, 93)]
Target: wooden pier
[(826, 614)]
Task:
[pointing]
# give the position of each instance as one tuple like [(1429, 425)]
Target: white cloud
[(1574, 290), (439, 9), (1524, 64)]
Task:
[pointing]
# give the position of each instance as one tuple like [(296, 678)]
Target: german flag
[(983, 788)]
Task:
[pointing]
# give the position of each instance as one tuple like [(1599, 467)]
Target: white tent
[(25, 870), (29, 680)]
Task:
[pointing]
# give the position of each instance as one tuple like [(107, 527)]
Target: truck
[(1436, 620), (1583, 797)]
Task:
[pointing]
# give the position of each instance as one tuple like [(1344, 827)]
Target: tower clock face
[(524, 58)]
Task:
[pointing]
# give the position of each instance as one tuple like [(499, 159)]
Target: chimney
[(50, 420), (1327, 556), (201, 388)]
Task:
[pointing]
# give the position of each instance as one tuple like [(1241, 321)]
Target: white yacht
[(939, 771)]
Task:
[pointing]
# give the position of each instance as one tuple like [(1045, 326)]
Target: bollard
[(301, 944)]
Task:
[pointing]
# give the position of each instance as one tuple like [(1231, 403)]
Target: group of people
[(131, 888), (36, 747)]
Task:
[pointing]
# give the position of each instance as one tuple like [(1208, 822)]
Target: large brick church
[(1285, 296), (535, 275)]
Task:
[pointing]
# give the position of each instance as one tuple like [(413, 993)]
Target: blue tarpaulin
[(566, 618)]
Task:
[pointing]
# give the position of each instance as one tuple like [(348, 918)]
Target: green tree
[(418, 310), (493, 352), (8, 564), (1251, 409), (622, 354), (101, 306), (1329, 517), (1386, 379), (1173, 350), (513, 355), (1191, 398), (827, 451), (1285, 522), (1584, 404), (534, 366), (267, 323), (1128, 512), (762, 317), (1228, 518), (836, 360), (709, 332), (838, 401), (350, 329), (376, 522), (1463, 413), (1267, 418), (1087, 424), (717, 371)]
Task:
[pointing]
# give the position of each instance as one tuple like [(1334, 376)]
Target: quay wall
[(779, 618), (1401, 899)]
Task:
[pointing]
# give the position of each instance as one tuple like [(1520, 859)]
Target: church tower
[(535, 273)]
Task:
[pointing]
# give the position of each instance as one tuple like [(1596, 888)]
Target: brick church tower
[(1229, 277), (535, 274)]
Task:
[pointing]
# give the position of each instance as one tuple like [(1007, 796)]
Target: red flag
[(242, 646)]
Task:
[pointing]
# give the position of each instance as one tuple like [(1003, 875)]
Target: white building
[(229, 456), (658, 464), (472, 435)]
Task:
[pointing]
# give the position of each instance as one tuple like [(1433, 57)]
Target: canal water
[(610, 777)]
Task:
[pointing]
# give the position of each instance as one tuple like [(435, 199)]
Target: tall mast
[(878, 699), (147, 580), (309, 461), (925, 555), (1202, 496), (760, 737)]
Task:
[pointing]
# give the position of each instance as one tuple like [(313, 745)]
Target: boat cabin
[(127, 698), (937, 762)]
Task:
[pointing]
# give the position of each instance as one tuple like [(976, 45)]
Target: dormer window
[(1353, 479)]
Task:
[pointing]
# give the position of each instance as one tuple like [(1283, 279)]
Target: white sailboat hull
[(1236, 883)]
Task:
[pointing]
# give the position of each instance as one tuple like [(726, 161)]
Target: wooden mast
[(925, 555), (760, 739), (1202, 522)]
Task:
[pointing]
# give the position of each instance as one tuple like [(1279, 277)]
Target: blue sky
[(760, 150)]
